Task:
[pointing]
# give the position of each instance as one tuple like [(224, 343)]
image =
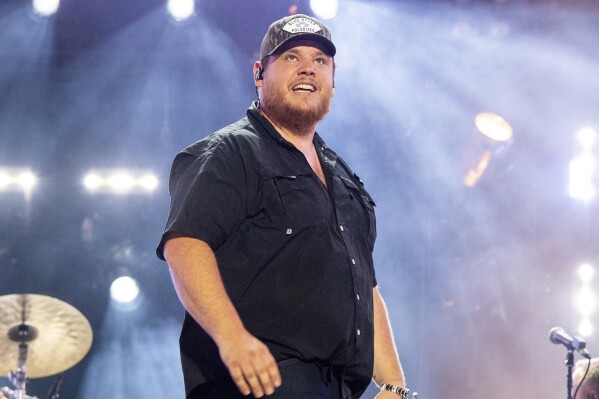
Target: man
[(590, 386), (269, 241)]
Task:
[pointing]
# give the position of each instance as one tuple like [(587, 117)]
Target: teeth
[(304, 87)]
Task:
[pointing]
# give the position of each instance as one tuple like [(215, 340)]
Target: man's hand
[(251, 365), (200, 287)]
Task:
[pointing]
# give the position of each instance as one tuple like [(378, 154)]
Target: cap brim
[(328, 45)]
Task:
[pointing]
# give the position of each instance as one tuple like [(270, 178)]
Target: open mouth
[(304, 87)]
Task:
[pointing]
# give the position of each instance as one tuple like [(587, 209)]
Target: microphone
[(558, 336)]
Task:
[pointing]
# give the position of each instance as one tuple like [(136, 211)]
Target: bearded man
[(269, 242)]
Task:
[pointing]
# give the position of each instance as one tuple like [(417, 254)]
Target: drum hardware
[(6, 392), (44, 336)]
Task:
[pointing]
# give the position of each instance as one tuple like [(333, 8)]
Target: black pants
[(299, 381)]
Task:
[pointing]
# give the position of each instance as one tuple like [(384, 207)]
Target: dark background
[(474, 277)]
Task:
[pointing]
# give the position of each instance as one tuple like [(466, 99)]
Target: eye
[(291, 57), (320, 61)]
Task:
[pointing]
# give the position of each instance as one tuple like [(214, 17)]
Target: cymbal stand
[(22, 333), (19, 379)]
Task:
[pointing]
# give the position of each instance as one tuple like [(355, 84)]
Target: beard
[(297, 117)]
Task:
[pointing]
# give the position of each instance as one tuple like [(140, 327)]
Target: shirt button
[(358, 332), (353, 261), (358, 296), (341, 227), (289, 231)]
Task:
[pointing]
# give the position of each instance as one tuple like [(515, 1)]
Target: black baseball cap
[(296, 27)]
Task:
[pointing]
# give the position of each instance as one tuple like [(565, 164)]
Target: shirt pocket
[(289, 200), (364, 205)]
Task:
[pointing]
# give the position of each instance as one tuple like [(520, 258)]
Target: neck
[(303, 141)]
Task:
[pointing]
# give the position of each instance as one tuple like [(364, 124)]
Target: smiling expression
[(297, 85)]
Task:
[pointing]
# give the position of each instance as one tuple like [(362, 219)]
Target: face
[(297, 86)]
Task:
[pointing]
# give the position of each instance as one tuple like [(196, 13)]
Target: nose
[(307, 68)]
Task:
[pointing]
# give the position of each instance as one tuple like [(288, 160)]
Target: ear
[(258, 72), (593, 394)]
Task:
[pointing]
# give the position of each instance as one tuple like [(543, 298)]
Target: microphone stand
[(569, 366)]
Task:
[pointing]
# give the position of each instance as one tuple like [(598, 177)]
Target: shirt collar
[(254, 116)]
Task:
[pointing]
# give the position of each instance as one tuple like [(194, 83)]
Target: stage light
[(587, 138), (26, 180), (586, 273), (124, 290), (586, 299), (493, 126), (474, 174), (582, 170), (5, 180), (181, 10), (586, 302), (481, 150), (45, 8), (585, 328), (584, 167), (92, 181), (120, 181), (149, 182), (17, 179), (324, 9)]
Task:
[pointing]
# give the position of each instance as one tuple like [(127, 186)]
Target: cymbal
[(58, 335)]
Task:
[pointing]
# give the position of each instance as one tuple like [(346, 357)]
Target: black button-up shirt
[(295, 255)]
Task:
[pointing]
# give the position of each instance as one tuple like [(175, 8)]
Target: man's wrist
[(403, 392)]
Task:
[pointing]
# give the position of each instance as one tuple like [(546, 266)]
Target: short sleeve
[(208, 190)]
